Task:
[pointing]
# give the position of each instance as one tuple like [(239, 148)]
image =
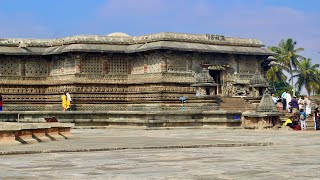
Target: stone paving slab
[(121, 139), (293, 155)]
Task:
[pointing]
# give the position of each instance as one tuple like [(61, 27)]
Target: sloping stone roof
[(122, 43)]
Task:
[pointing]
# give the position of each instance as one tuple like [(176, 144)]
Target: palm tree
[(288, 56), (306, 74), (275, 75), (315, 85)]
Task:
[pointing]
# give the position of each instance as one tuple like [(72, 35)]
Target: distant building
[(122, 72)]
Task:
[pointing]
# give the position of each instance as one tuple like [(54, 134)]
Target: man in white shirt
[(284, 101), (308, 106), (274, 98), (69, 99)]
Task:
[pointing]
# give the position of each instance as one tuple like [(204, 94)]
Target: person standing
[(288, 100), (64, 100), (302, 119), (308, 106), (279, 103), (275, 99), (301, 103), (316, 119), (284, 100), (69, 100), (294, 105), (1, 99)]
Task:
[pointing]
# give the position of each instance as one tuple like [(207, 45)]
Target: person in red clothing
[(1, 99)]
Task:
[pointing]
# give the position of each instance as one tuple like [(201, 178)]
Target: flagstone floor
[(293, 155)]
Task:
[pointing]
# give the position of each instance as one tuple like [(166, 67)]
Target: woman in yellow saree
[(65, 104)]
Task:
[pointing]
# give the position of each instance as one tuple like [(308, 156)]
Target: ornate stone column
[(77, 63), (163, 64)]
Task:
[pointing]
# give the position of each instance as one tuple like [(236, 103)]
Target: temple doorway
[(217, 75)]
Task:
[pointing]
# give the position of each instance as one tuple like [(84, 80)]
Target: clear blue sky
[(267, 20)]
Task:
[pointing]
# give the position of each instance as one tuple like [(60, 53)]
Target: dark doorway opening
[(260, 91), (216, 75), (207, 91)]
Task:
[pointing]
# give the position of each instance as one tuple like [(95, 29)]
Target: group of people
[(298, 121), (66, 101), (291, 104), (299, 108)]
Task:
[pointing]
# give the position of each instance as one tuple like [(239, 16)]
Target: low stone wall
[(131, 118), (28, 133)]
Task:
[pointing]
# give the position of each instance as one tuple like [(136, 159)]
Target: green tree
[(315, 85), (287, 55), (275, 75), (306, 74)]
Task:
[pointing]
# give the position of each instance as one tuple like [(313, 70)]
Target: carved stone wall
[(137, 64), (90, 64), (118, 64), (36, 67), (177, 62), (97, 81), (9, 66)]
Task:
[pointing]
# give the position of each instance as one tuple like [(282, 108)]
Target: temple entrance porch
[(217, 78)]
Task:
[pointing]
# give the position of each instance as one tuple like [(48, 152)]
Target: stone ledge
[(217, 145), (29, 133)]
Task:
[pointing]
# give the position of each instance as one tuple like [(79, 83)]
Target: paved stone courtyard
[(292, 155)]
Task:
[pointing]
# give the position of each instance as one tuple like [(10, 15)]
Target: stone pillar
[(22, 67), (77, 63), (163, 64), (105, 66), (188, 63)]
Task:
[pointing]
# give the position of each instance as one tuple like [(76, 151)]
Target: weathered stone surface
[(167, 154), (125, 73)]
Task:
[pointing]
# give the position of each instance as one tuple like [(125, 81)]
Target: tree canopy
[(298, 67)]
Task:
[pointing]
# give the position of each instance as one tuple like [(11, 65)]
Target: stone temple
[(118, 72)]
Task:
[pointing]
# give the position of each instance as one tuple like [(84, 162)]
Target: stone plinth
[(130, 118), (28, 133)]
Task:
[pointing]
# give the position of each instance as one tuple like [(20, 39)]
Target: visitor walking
[(294, 105), (1, 99), (302, 119), (284, 100), (65, 102)]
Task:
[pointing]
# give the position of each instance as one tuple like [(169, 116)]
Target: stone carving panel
[(9, 66), (247, 64), (137, 65), (69, 66), (177, 62), (118, 64), (91, 64), (56, 66), (154, 63), (36, 67)]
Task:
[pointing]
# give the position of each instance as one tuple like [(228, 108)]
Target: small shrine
[(266, 115), (205, 86)]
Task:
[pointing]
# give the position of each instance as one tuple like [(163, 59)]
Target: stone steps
[(231, 103)]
